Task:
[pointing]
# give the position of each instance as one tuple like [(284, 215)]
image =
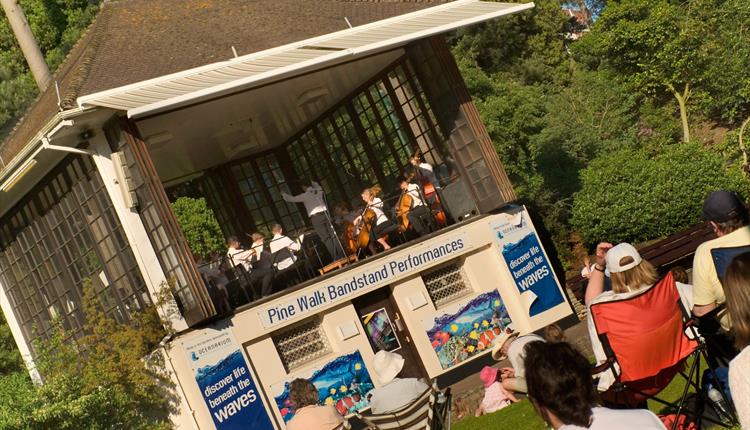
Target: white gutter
[(35, 146)]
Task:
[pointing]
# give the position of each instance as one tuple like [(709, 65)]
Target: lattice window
[(446, 283), (301, 344)]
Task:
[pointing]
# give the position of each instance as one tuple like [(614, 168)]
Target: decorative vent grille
[(301, 344), (446, 283)]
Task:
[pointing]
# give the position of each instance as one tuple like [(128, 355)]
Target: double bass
[(432, 199)]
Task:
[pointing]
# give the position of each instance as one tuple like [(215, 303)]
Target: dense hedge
[(631, 196)]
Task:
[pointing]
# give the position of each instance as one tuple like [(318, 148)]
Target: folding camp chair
[(645, 341), (430, 411)]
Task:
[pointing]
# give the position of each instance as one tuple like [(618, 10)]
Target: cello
[(403, 207)]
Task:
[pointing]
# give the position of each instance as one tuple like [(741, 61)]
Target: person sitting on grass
[(562, 393), (395, 392), (511, 346), (496, 396)]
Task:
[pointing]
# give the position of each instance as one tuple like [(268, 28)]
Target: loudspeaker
[(458, 202)]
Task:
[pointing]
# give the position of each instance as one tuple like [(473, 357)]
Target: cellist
[(379, 221), (418, 211)]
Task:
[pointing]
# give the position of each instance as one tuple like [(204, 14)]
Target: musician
[(424, 169), (262, 267), (312, 198), (418, 210), (279, 242), (237, 255), (381, 224)]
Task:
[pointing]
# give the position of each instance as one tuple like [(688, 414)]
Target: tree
[(10, 358), (529, 46), (631, 195), (695, 52), (199, 226), (103, 380)]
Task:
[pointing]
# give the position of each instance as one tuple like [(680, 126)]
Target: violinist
[(373, 220), (418, 211)]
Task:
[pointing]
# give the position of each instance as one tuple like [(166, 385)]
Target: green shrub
[(199, 226), (630, 196)]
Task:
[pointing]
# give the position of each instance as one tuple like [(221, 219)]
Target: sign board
[(225, 381), (528, 264), (366, 277)]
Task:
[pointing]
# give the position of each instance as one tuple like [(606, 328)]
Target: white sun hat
[(387, 365)]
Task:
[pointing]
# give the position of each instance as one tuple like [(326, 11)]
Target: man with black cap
[(728, 217)]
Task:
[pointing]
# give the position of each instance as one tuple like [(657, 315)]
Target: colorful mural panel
[(343, 383), (469, 330)]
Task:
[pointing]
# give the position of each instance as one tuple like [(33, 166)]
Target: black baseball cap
[(722, 206)]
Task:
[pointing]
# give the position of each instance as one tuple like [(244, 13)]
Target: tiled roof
[(135, 40)]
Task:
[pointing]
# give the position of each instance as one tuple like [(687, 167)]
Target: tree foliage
[(103, 380), (199, 226), (57, 25), (629, 195)]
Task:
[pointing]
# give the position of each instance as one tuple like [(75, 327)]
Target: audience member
[(394, 393), (737, 289), (511, 346), (279, 242), (308, 414), (728, 217), (683, 286), (560, 389), (630, 275), (496, 396)]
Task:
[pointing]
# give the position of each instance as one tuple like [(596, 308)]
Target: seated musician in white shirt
[(237, 255), (418, 211), (279, 242), (381, 222)]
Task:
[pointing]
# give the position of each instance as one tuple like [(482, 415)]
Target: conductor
[(313, 199)]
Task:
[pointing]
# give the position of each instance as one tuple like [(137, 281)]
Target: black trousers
[(263, 276), (324, 229), (417, 217)]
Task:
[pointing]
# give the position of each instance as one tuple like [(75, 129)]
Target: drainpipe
[(28, 44)]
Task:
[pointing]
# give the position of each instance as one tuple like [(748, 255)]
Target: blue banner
[(226, 384), (532, 273)]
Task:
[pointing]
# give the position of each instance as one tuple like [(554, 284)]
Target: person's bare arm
[(700, 310), (596, 279)]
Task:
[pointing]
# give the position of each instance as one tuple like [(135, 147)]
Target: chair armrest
[(602, 367)]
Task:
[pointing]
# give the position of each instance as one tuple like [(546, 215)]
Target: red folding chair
[(644, 339)]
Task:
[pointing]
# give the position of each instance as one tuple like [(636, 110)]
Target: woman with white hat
[(629, 275), (394, 393), (512, 346)]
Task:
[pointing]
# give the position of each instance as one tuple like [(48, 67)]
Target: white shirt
[(312, 198), (280, 242), (429, 174), (396, 394), (516, 352), (739, 384), (620, 419), (377, 207), (413, 191), (240, 256)]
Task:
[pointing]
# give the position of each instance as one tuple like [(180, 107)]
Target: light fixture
[(15, 177)]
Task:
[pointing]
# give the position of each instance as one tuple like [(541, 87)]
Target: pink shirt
[(495, 398), (315, 418)]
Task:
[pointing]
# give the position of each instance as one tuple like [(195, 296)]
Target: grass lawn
[(521, 415)]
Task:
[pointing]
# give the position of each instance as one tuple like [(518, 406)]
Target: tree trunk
[(682, 102), (745, 165)]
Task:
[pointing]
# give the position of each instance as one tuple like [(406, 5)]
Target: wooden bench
[(338, 264)]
